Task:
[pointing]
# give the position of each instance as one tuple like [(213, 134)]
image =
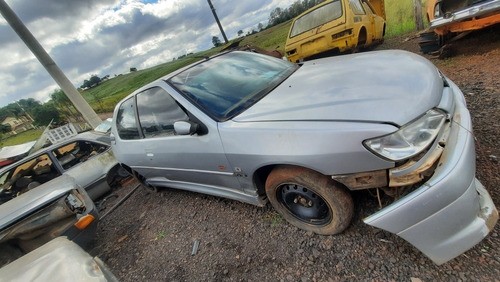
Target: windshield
[(225, 86), (317, 17)]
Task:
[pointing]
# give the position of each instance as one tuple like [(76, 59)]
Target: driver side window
[(157, 113)]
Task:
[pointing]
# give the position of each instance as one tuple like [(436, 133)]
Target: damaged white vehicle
[(254, 128), (56, 208)]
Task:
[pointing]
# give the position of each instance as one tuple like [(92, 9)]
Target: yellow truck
[(335, 26), (452, 19)]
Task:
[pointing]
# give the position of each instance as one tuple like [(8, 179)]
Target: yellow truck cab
[(335, 26)]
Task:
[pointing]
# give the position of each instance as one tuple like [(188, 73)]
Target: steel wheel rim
[(304, 204)]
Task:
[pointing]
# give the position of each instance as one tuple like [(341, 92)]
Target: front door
[(171, 159)]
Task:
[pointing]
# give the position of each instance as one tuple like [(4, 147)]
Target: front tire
[(309, 200)]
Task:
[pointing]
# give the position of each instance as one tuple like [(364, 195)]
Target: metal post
[(417, 12), (217, 20), (25, 112), (67, 87)]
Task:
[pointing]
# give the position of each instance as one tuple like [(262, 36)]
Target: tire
[(309, 200), (362, 37), (429, 42)]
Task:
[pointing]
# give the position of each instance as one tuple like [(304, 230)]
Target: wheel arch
[(261, 174), (310, 200), (362, 36), (112, 175), (141, 179), (133, 173)]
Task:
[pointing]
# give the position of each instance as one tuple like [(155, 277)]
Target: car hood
[(31, 201), (385, 86)]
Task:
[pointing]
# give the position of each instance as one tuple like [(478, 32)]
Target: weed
[(160, 235), (274, 218)]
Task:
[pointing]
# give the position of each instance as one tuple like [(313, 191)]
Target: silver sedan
[(303, 136)]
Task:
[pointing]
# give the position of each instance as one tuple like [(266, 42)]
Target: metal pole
[(67, 87), (217, 20), (25, 112)]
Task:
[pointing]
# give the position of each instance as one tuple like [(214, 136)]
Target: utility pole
[(67, 87), (216, 19)]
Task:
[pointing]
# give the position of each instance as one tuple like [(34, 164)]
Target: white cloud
[(110, 36)]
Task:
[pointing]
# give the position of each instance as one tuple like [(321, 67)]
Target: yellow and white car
[(335, 26)]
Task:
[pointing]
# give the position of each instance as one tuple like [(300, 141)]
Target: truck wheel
[(309, 200)]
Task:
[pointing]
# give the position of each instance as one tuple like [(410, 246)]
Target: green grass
[(23, 137), (160, 235), (269, 39), (114, 89), (399, 17), (274, 218)]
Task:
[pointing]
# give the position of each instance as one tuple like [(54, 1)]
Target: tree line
[(58, 109)]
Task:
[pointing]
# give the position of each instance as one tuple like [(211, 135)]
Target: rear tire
[(309, 200), (362, 38), (429, 42)]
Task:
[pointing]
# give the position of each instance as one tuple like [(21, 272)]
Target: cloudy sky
[(102, 37)]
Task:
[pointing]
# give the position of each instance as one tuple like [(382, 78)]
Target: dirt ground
[(151, 236)]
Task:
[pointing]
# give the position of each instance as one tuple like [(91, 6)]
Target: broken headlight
[(409, 140)]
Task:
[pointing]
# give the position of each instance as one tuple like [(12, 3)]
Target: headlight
[(409, 140)]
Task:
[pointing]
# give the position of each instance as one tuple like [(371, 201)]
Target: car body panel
[(45, 212), (31, 201), (354, 88), (445, 216), (58, 260), (460, 16), (340, 34), (326, 147), (319, 118), (92, 174)]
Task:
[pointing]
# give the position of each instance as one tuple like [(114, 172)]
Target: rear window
[(317, 17)]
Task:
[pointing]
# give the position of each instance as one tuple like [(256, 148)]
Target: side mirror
[(185, 127)]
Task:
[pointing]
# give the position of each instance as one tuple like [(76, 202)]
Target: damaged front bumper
[(451, 212)]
